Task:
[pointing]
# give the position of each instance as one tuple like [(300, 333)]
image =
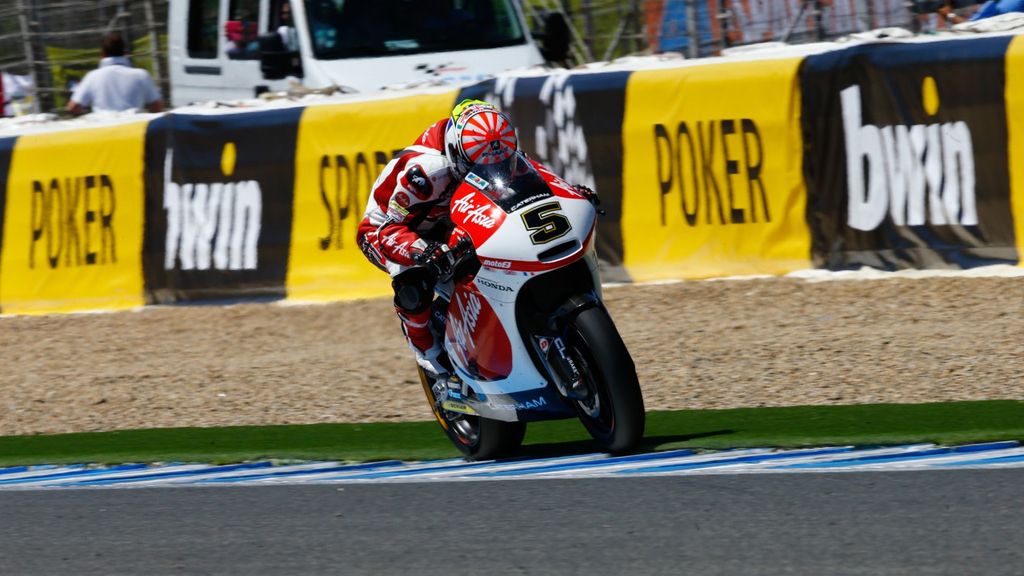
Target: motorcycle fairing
[(493, 344), (525, 406), (570, 251), (479, 344), (475, 213), (557, 185), (519, 203)]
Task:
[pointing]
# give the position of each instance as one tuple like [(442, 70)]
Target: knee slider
[(414, 290)]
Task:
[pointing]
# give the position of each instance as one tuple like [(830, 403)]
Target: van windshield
[(367, 28)]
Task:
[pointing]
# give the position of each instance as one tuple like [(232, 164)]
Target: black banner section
[(906, 155), (6, 149), (572, 123), (219, 195)]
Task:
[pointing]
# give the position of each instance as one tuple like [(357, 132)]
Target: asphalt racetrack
[(955, 522)]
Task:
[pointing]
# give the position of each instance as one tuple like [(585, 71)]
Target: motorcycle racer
[(406, 229)]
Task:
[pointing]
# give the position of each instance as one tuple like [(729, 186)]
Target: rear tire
[(613, 412), (477, 438)]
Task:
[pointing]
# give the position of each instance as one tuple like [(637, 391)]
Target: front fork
[(562, 368), (554, 353)]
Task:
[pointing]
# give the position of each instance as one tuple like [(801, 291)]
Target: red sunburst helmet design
[(481, 135)]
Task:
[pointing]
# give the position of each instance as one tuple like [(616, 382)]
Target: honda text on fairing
[(525, 329)]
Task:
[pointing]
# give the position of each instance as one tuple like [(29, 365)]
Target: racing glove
[(437, 258), (589, 193)]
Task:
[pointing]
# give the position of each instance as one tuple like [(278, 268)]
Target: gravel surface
[(698, 344)]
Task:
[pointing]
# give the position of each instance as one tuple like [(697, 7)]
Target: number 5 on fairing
[(547, 223)]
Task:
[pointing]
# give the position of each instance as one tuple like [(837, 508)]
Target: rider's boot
[(438, 368), (433, 360), (429, 353)]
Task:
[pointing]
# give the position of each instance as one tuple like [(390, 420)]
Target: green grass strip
[(878, 424)]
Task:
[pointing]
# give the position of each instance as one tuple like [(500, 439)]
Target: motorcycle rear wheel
[(477, 438), (613, 411)]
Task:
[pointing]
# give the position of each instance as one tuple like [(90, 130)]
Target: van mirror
[(556, 38), (276, 62)]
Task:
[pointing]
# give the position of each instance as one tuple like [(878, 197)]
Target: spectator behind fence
[(286, 28), (115, 85)]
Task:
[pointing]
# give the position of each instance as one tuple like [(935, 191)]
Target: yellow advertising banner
[(74, 219), (341, 150), (712, 175), (1015, 128)]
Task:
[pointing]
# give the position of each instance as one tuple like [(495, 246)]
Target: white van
[(235, 49)]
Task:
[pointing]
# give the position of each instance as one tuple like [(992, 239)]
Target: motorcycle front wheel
[(613, 409), (477, 438)]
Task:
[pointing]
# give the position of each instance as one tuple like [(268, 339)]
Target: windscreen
[(367, 28), (512, 184)]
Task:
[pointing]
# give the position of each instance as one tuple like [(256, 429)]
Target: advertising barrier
[(218, 204), (907, 162), (711, 180), (341, 150), (6, 148), (73, 218), (889, 155), (1015, 119)]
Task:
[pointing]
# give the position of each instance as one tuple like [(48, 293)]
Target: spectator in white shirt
[(286, 28), (115, 85)]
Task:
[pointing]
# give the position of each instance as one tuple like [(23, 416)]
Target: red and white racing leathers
[(407, 210)]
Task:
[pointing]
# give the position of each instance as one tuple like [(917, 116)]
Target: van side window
[(202, 28), (240, 30)]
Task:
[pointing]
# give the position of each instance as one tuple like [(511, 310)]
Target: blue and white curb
[(670, 463)]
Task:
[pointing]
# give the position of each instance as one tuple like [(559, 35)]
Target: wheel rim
[(462, 428)]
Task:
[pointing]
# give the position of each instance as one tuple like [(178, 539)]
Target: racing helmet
[(478, 133)]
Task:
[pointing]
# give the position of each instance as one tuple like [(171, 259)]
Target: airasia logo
[(464, 324), (476, 337), (473, 212)]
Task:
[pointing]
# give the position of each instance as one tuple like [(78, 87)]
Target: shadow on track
[(648, 444)]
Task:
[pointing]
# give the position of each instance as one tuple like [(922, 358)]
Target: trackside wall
[(890, 155), (73, 220)]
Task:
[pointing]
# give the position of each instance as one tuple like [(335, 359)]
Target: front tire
[(613, 410), (477, 438)]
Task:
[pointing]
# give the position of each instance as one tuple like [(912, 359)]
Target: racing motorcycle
[(524, 327)]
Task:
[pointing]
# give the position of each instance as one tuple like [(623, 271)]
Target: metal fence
[(53, 43), (606, 29), (715, 26)]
